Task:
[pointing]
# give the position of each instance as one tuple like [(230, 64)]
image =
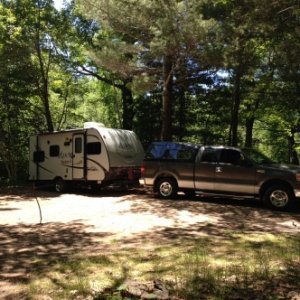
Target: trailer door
[(78, 156)]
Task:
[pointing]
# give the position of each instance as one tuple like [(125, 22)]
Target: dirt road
[(128, 213)]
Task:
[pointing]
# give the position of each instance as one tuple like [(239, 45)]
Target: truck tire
[(278, 197), (59, 185), (166, 188)]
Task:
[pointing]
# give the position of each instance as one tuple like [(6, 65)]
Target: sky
[(58, 4)]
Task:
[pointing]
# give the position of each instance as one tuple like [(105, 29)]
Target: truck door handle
[(218, 170)]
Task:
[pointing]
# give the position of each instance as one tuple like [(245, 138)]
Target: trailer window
[(54, 150), (38, 156), (78, 145), (93, 148)]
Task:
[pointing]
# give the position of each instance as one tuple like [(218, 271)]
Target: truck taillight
[(142, 170)]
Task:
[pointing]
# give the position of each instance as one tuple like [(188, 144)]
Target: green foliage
[(234, 71), (15, 89)]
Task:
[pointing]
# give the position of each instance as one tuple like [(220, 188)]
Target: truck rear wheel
[(166, 188), (59, 185), (279, 197)]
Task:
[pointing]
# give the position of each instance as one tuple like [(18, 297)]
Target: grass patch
[(254, 266), (242, 266)]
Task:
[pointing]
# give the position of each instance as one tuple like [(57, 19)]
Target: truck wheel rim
[(165, 189), (279, 198)]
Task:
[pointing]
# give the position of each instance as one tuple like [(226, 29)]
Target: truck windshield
[(257, 157)]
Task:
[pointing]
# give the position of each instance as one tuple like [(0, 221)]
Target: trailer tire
[(59, 185)]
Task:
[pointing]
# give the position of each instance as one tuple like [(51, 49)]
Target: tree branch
[(86, 71)]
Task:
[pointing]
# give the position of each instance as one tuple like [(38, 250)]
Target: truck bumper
[(297, 193), (146, 182)]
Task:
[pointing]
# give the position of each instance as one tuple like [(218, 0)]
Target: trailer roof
[(62, 131)]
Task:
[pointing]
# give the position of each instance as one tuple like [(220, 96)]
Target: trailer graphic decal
[(98, 164), (43, 168)]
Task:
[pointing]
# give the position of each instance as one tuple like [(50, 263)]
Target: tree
[(241, 35), (15, 88), (47, 32), (156, 34)]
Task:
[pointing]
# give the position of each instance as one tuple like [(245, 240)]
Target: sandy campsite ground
[(88, 221)]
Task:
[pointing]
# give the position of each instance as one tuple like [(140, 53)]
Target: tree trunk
[(182, 88), (166, 130), (128, 109), (233, 136), (250, 123), (43, 87), (8, 158), (292, 152), (181, 117), (249, 132), (11, 169), (48, 116)]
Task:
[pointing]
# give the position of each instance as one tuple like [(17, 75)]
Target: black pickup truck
[(170, 167)]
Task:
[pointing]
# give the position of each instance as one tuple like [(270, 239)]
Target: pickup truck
[(223, 171)]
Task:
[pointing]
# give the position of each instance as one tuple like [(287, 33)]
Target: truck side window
[(209, 155), (230, 156), (167, 154), (186, 154), (155, 151)]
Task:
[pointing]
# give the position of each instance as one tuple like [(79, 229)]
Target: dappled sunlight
[(137, 213), (185, 217), (290, 224), (34, 249), (88, 243), (215, 216)]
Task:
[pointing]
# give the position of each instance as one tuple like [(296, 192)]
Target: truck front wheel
[(166, 188), (278, 197)]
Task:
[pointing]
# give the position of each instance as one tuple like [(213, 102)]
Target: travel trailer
[(93, 155)]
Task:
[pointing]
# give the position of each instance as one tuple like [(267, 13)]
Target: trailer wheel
[(59, 185), (166, 188)]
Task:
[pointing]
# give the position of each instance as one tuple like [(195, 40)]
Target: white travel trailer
[(93, 155)]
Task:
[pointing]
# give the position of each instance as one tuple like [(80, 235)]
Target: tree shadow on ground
[(30, 193), (183, 202), (213, 217), (27, 249), (34, 249)]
